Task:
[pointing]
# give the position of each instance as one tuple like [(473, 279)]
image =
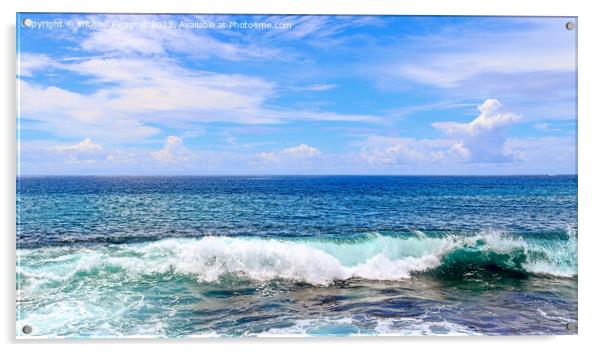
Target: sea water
[(296, 255)]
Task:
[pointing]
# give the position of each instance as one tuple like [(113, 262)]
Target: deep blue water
[(289, 255), (56, 210)]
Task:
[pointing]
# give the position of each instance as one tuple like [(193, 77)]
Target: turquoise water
[(329, 255)]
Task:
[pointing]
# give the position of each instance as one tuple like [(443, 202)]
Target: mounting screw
[(27, 329), (570, 25)]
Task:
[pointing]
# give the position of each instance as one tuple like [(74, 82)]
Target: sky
[(256, 95)]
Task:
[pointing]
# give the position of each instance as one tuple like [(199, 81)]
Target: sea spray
[(313, 261)]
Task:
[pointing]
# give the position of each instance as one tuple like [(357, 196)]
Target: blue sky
[(312, 95)]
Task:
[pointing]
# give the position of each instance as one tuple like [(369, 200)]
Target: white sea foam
[(316, 262), (314, 327), (418, 327), (52, 282), (378, 326)]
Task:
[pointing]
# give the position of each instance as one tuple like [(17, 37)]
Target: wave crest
[(314, 261)]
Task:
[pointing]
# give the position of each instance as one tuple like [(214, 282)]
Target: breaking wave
[(314, 261)]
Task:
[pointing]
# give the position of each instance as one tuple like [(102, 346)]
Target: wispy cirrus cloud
[(458, 55), (320, 87), (157, 92), (529, 63), (163, 40), (137, 86), (30, 62), (303, 27), (226, 43)]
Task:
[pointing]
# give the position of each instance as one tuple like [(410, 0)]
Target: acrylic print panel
[(229, 175)]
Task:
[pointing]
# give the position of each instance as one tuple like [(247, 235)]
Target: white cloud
[(546, 127), (74, 115), (290, 115), (380, 155), (265, 45), (301, 150), (122, 157), (266, 157), (125, 41), (316, 27), (160, 85), (85, 152), (299, 153), (318, 87), (159, 41), (383, 151), (458, 149), (85, 146), (29, 63), (480, 140), (546, 154), (157, 92), (146, 86), (489, 119), (529, 63), (140, 90), (455, 55), (173, 151)]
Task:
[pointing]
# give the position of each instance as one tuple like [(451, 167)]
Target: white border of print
[(589, 26)]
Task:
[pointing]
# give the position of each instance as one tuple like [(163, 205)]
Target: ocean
[(296, 256)]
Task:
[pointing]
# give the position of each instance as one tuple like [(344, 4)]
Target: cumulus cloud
[(489, 119), (84, 152), (301, 152), (85, 146), (382, 151), (173, 151), (482, 139)]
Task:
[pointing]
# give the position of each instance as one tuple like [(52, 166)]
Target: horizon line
[(288, 175)]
